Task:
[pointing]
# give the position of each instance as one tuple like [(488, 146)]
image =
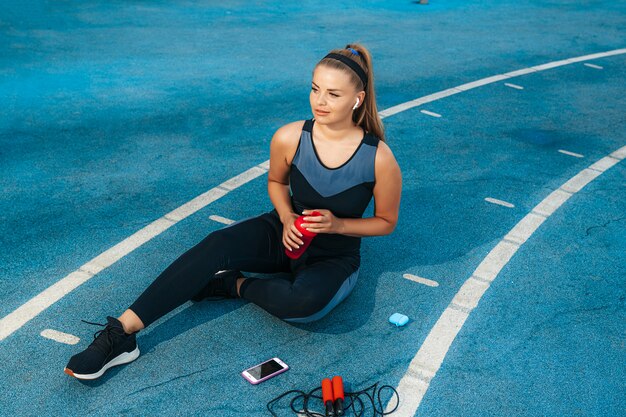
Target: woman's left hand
[(326, 223)]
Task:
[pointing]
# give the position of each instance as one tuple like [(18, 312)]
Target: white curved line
[(495, 78), (430, 356), (33, 307)]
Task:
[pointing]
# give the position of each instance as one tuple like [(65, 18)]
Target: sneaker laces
[(98, 341)]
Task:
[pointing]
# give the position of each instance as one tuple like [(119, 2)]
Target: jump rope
[(336, 401)]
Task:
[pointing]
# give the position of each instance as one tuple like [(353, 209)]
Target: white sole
[(121, 359)]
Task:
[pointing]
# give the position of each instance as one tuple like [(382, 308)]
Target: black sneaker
[(223, 285), (111, 347)]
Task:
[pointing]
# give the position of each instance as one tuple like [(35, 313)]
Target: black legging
[(320, 280)]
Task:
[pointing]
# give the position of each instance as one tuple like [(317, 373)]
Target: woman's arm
[(282, 150), (387, 193)]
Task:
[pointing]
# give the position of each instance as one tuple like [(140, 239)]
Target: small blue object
[(354, 51), (398, 319)]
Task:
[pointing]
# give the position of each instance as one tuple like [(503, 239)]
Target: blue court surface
[(507, 118)]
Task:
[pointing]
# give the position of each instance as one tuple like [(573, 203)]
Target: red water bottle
[(307, 236)]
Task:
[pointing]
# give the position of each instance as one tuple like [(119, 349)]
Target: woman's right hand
[(291, 235)]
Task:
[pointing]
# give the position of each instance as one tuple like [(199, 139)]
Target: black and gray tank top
[(346, 190)]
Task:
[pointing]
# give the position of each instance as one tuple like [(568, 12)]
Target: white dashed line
[(60, 337), (430, 356), (577, 155), (221, 219), (26, 312), (517, 87), (499, 202), (593, 66), (421, 280), (430, 113)]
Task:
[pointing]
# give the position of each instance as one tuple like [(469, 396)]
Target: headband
[(352, 64)]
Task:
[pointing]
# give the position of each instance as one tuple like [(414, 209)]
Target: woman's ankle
[(131, 322), (239, 282)]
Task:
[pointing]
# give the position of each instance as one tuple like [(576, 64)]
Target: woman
[(333, 164)]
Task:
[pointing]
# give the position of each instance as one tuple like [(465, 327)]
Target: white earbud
[(356, 105)]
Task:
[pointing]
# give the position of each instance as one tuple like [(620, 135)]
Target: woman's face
[(332, 95)]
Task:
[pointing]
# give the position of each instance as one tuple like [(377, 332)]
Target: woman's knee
[(281, 298), (311, 308), (215, 243), (300, 306)]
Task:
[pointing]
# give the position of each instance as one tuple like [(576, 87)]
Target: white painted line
[(26, 312), (221, 219), (525, 228), (577, 155), (598, 55), (417, 102), (619, 154), (517, 87), (60, 337), (552, 202), (470, 293), (428, 359), (578, 181), (481, 82), (243, 178), (495, 260), (499, 202), (91, 268), (265, 165), (430, 113), (604, 163), (421, 280), (495, 78), (196, 204), (593, 66), (551, 65), (519, 72), (431, 354), (438, 95)]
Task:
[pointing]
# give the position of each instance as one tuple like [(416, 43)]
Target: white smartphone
[(265, 370)]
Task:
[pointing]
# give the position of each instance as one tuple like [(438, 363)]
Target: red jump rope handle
[(339, 395), (327, 397)]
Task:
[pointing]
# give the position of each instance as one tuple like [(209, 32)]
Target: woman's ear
[(361, 97)]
